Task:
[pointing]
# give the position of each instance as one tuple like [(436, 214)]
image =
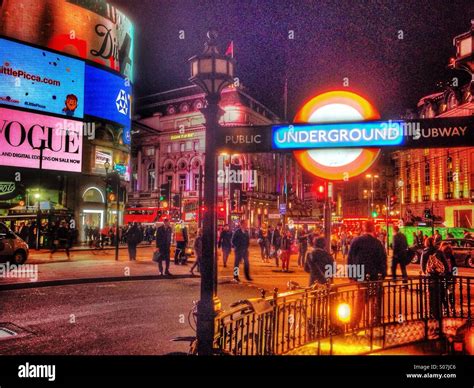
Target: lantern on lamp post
[(212, 72)]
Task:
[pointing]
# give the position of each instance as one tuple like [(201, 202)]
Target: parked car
[(463, 250), (12, 248)]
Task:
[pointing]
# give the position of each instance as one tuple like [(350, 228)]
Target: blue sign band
[(361, 134)]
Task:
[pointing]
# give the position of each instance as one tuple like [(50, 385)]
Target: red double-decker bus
[(147, 215)]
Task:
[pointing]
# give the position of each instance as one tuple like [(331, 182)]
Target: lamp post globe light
[(212, 72)]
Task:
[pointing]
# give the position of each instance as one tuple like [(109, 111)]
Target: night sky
[(332, 40)]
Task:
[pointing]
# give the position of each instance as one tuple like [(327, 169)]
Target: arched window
[(93, 194)]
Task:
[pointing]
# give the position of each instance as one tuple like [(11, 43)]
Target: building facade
[(169, 147), (439, 178)]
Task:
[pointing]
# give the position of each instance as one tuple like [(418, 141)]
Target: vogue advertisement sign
[(23, 135), (91, 30), (41, 80)]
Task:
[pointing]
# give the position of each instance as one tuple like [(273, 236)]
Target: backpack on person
[(434, 266)]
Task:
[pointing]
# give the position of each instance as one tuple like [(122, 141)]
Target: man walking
[(400, 252), (274, 238), (240, 242), (134, 237), (61, 240), (225, 242), (368, 257), (163, 246), (303, 237)]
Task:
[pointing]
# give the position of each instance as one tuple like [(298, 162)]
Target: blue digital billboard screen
[(41, 80), (108, 96)]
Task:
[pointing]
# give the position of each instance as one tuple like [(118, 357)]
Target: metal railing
[(286, 321)]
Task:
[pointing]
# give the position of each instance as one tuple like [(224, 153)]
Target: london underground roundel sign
[(336, 163)]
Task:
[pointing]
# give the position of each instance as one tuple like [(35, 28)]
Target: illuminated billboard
[(338, 163), (108, 96), (92, 30), (23, 135), (41, 80)]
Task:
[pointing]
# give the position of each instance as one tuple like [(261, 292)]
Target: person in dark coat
[(303, 237), (134, 237), (368, 251), (400, 252), (317, 263), (368, 255), (163, 246), (274, 238), (23, 232), (434, 265), (62, 239), (241, 242), (261, 240), (225, 243)]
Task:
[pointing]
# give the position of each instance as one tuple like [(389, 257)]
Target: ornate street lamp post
[(212, 72)]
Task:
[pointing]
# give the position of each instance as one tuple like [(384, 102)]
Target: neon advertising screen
[(108, 96), (23, 134), (92, 30), (41, 80)]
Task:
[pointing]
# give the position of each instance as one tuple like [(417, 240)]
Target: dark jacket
[(24, 232), (225, 240), (241, 240), (163, 238), (400, 246), (427, 252), (134, 235), (316, 265), (368, 251), (62, 233)]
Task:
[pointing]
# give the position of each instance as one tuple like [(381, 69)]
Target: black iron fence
[(379, 314)]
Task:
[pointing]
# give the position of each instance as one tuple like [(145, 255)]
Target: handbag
[(156, 256)]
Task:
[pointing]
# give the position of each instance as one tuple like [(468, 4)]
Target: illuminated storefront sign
[(41, 80), (23, 134), (92, 30), (370, 134), (108, 96), (182, 136)]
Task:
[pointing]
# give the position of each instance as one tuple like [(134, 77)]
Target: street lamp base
[(206, 328)]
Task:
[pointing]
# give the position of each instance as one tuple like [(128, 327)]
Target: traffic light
[(393, 201), (110, 192), (165, 189), (176, 200), (221, 211), (321, 193), (427, 214), (374, 214)]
